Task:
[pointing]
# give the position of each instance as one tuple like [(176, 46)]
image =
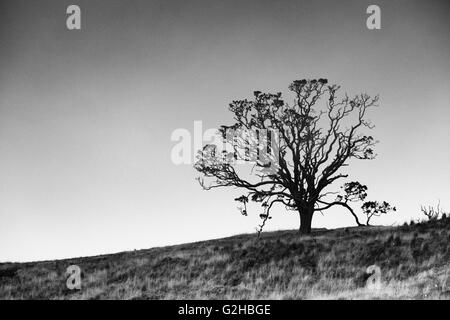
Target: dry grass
[(414, 260)]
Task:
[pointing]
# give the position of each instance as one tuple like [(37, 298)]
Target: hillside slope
[(414, 262)]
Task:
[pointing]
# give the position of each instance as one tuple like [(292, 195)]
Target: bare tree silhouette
[(433, 213), (316, 136)]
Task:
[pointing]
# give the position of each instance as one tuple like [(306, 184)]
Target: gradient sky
[(86, 116)]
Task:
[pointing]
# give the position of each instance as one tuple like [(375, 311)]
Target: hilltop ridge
[(329, 264)]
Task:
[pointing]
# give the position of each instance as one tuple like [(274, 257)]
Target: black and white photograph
[(237, 151)]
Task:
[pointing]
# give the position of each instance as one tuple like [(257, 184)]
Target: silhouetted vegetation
[(297, 150), (433, 213)]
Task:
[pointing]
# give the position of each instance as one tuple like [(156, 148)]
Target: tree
[(431, 213), (356, 192), (295, 151), (375, 209)]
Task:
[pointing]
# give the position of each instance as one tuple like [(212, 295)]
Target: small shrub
[(433, 213)]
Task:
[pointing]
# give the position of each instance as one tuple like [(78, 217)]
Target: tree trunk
[(306, 220)]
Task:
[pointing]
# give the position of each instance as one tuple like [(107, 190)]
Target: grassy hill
[(329, 264)]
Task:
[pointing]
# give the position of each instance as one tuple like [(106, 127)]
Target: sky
[(86, 116)]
